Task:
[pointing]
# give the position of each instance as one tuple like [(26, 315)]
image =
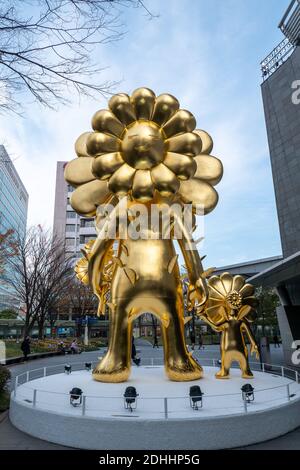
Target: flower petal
[(251, 300), (98, 143), (244, 311), (238, 283), (207, 142), (216, 283), (165, 106), (247, 290), (188, 144), (143, 100), (164, 180), (142, 188), (216, 314), (122, 108), (104, 165), (79, 171), (182, 121), (209, 169), (121, 181), (105, 121), (183, 166), (80, 144), (227, 279), (87, 197), (201, 194)]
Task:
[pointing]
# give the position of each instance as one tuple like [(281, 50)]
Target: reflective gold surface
[(230, 310), (147, 149)]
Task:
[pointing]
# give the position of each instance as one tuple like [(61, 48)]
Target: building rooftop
[(290, 27)]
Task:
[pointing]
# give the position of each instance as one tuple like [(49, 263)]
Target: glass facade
[(13, 210)]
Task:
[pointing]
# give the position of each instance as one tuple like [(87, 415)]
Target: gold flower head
[(230, 296), (141, 145)]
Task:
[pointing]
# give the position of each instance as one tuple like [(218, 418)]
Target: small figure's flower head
[(229, 297)]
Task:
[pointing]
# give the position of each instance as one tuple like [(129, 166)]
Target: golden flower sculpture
[(141, 145), (228, 294), (229, 310)]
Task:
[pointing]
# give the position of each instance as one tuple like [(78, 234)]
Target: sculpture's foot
[(247, 375), (108, 371), (222, 374), (184, 370)]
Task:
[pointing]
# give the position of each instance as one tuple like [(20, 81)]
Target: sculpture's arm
[(215, 327), (97, 256), (254, 347), (192, 261)]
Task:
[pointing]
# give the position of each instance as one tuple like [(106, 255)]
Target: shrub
[(4, 377)]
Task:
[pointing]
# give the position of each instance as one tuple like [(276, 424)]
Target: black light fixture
[(130, 398), (196, 395), (88, 366), (68, 369), (76, 396), (247, 393)]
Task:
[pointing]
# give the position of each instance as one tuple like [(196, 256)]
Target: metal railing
[(276, 58), (158, 407)]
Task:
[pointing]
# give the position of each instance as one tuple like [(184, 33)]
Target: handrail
[(44, 370)]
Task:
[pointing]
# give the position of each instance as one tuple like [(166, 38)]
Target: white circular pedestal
[(42, 408)]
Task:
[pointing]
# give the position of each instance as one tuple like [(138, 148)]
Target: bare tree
[(7, 248), (80, 299), (54, 282), (46, 47), (37, 273)]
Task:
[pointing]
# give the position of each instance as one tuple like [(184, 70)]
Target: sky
[(207, 54)]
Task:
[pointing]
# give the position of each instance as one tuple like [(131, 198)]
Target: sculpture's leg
[(115, 365), (179, 364), (226, 360), (244, 365)]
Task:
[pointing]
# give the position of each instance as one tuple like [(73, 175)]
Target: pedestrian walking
[(25, 347), (193, 339), (200, 341)]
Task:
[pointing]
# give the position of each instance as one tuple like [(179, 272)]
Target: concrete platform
[(103, 423)]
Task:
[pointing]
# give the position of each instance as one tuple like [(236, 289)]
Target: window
[(86, 238), (70, 227), (70, 188), (71, 215), (70, 241), (87, 223)]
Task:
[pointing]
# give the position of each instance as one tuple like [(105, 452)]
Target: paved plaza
[(11, 438)]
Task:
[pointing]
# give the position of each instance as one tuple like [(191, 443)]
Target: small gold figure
[(229, 310)]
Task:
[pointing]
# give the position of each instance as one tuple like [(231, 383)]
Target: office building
[(13, 212), (74, 230), (281, 74)]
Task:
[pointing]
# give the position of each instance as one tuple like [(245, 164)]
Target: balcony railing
[(276, 58)]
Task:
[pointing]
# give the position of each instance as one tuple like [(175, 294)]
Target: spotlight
[(68, 369), (88, 366), (196, 397), (130, 398), (247, 393), (76, 396)]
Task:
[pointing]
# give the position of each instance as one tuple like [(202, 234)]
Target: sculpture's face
[(234, 300), (143, 145)]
